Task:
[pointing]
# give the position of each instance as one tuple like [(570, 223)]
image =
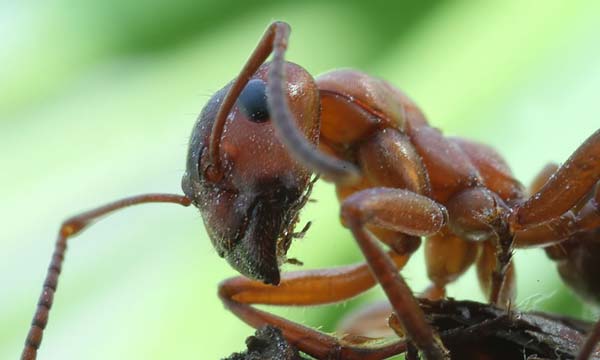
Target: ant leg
[(370, 320), (500, 292), (542, 177), (563, 190), (410, 213), (447, 257), (572, 189), (562, 252), (590, 344), (479, 215), (585, 216), (69, 228), (301, 288), (529, 237), (560, 228)]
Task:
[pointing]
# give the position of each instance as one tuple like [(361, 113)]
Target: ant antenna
[(69, 228), (337, 170), (275, 40), (260, 54)]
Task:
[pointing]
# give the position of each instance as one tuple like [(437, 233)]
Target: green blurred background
[(98, 99)]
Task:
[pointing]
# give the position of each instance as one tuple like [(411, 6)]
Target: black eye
[(253, 101)]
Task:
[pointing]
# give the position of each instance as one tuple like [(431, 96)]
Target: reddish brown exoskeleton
[(249, 168)]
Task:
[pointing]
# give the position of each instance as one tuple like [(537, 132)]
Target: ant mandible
[(249, 167)]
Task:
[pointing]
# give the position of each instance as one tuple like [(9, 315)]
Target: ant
[(251, 157)]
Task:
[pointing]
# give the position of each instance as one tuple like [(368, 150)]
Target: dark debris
[(470, 330), (473, 330), (267, 344)]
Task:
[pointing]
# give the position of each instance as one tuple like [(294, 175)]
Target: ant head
[(251, 203)]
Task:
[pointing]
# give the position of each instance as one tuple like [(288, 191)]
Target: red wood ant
[(249, 168)]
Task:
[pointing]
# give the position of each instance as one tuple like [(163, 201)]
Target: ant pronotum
[(249, 168)]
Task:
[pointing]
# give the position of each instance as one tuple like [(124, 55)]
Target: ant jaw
[(246, 260), (251, 230), (264, 238), (255, 253)]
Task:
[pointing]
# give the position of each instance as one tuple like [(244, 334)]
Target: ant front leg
[(304, 288), (409, 213)]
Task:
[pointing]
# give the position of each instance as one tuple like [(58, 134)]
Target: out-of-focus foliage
[(97, 99)]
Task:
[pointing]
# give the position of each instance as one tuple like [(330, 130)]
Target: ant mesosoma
[(251, 156)]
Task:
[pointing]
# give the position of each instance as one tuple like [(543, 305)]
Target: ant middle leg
[(501, 292), (409, 213), (564, 189), (572, 238), (584, 216), (447, 257)]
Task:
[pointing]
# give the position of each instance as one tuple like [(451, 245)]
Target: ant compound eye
[(253, 101)]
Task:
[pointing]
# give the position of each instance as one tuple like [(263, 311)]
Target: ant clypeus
[(249, 170)]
